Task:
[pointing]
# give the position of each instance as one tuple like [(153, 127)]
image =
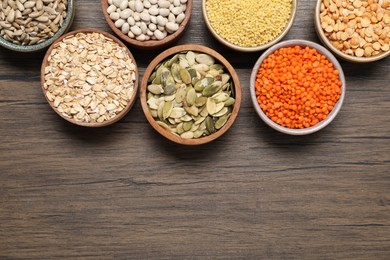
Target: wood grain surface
[(125, 192)]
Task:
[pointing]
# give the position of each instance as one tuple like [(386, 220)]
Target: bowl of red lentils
[(356, 31), (249, 25), (297, 87)]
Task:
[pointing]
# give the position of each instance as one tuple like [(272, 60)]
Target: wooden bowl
[(93, 124), (249, 49), (308, 130), (170, 52), (324, 39), (151, 44), (40, 46)]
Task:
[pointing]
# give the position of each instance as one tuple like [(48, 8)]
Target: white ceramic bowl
[(303, 131), (325, 40), (249, 49)]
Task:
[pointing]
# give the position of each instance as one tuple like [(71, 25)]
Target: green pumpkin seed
[(173, 60), (221, 121), (175, 71), (220, 97), (160, 110), (212, 89), (210, 125), (204, 59), (152, 102), (211, 106), (198, 133), (229, 102), (183, 62), (170, 89), (190, 56), (218, 107), (200, 120), (194, 127), (156, 89), (177, 112), (217, 66), (201, 67), (153, 112), (167, 109), (179, 128), (225, 78), (192, 110), (202, 84), (152, 77), (180, 95), (186, 118), (191, 96), (185, 76), (164, 125), (222, 112), (203, 111), (193, 73), (200, 101), (187, 126), (187, 135)]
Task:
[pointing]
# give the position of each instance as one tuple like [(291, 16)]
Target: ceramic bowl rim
[(38, 47), (250, 49), (332, 114)]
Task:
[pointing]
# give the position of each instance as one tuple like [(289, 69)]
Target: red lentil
[(297, 87)]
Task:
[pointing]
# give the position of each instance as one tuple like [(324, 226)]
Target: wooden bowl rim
[(332, 114), (329, 45), (116, 40), (151, 44), (38, 47), (250, 49), (198, 48)]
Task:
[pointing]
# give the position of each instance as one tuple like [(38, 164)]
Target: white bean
[(180, 18), (172, 27), (158, 34), (153, 11), (141, 37), (119, 23), (131, 21), (111, 9), (145, 17), (177, 10), (117, 3), (171, 18), (135, 30), (152, 27), (164, 12), (125, 28), (153, 2), (144, 27), (139, 7), (164, 4), (147, 4), (161, 21), (114, 16), (124, 5), (126, 13)]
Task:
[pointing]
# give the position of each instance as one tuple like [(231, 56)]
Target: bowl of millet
[(249, 25)]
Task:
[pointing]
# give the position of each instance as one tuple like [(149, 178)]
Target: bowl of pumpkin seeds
[(190, 94), (33, 25)]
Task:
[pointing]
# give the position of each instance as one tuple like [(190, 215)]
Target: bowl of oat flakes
[(29, 26), (89, 78)]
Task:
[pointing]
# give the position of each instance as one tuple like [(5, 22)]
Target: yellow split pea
[(248, 23)]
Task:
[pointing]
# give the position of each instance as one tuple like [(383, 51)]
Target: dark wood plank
[(125, 192)]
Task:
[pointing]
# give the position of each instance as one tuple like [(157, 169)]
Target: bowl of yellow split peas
[(249, 25)]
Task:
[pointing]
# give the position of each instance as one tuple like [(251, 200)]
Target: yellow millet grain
[(248, 23)]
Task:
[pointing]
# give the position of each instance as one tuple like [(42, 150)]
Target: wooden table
[(126, 192)]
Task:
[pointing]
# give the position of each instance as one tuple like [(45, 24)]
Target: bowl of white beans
[(148, 24)]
